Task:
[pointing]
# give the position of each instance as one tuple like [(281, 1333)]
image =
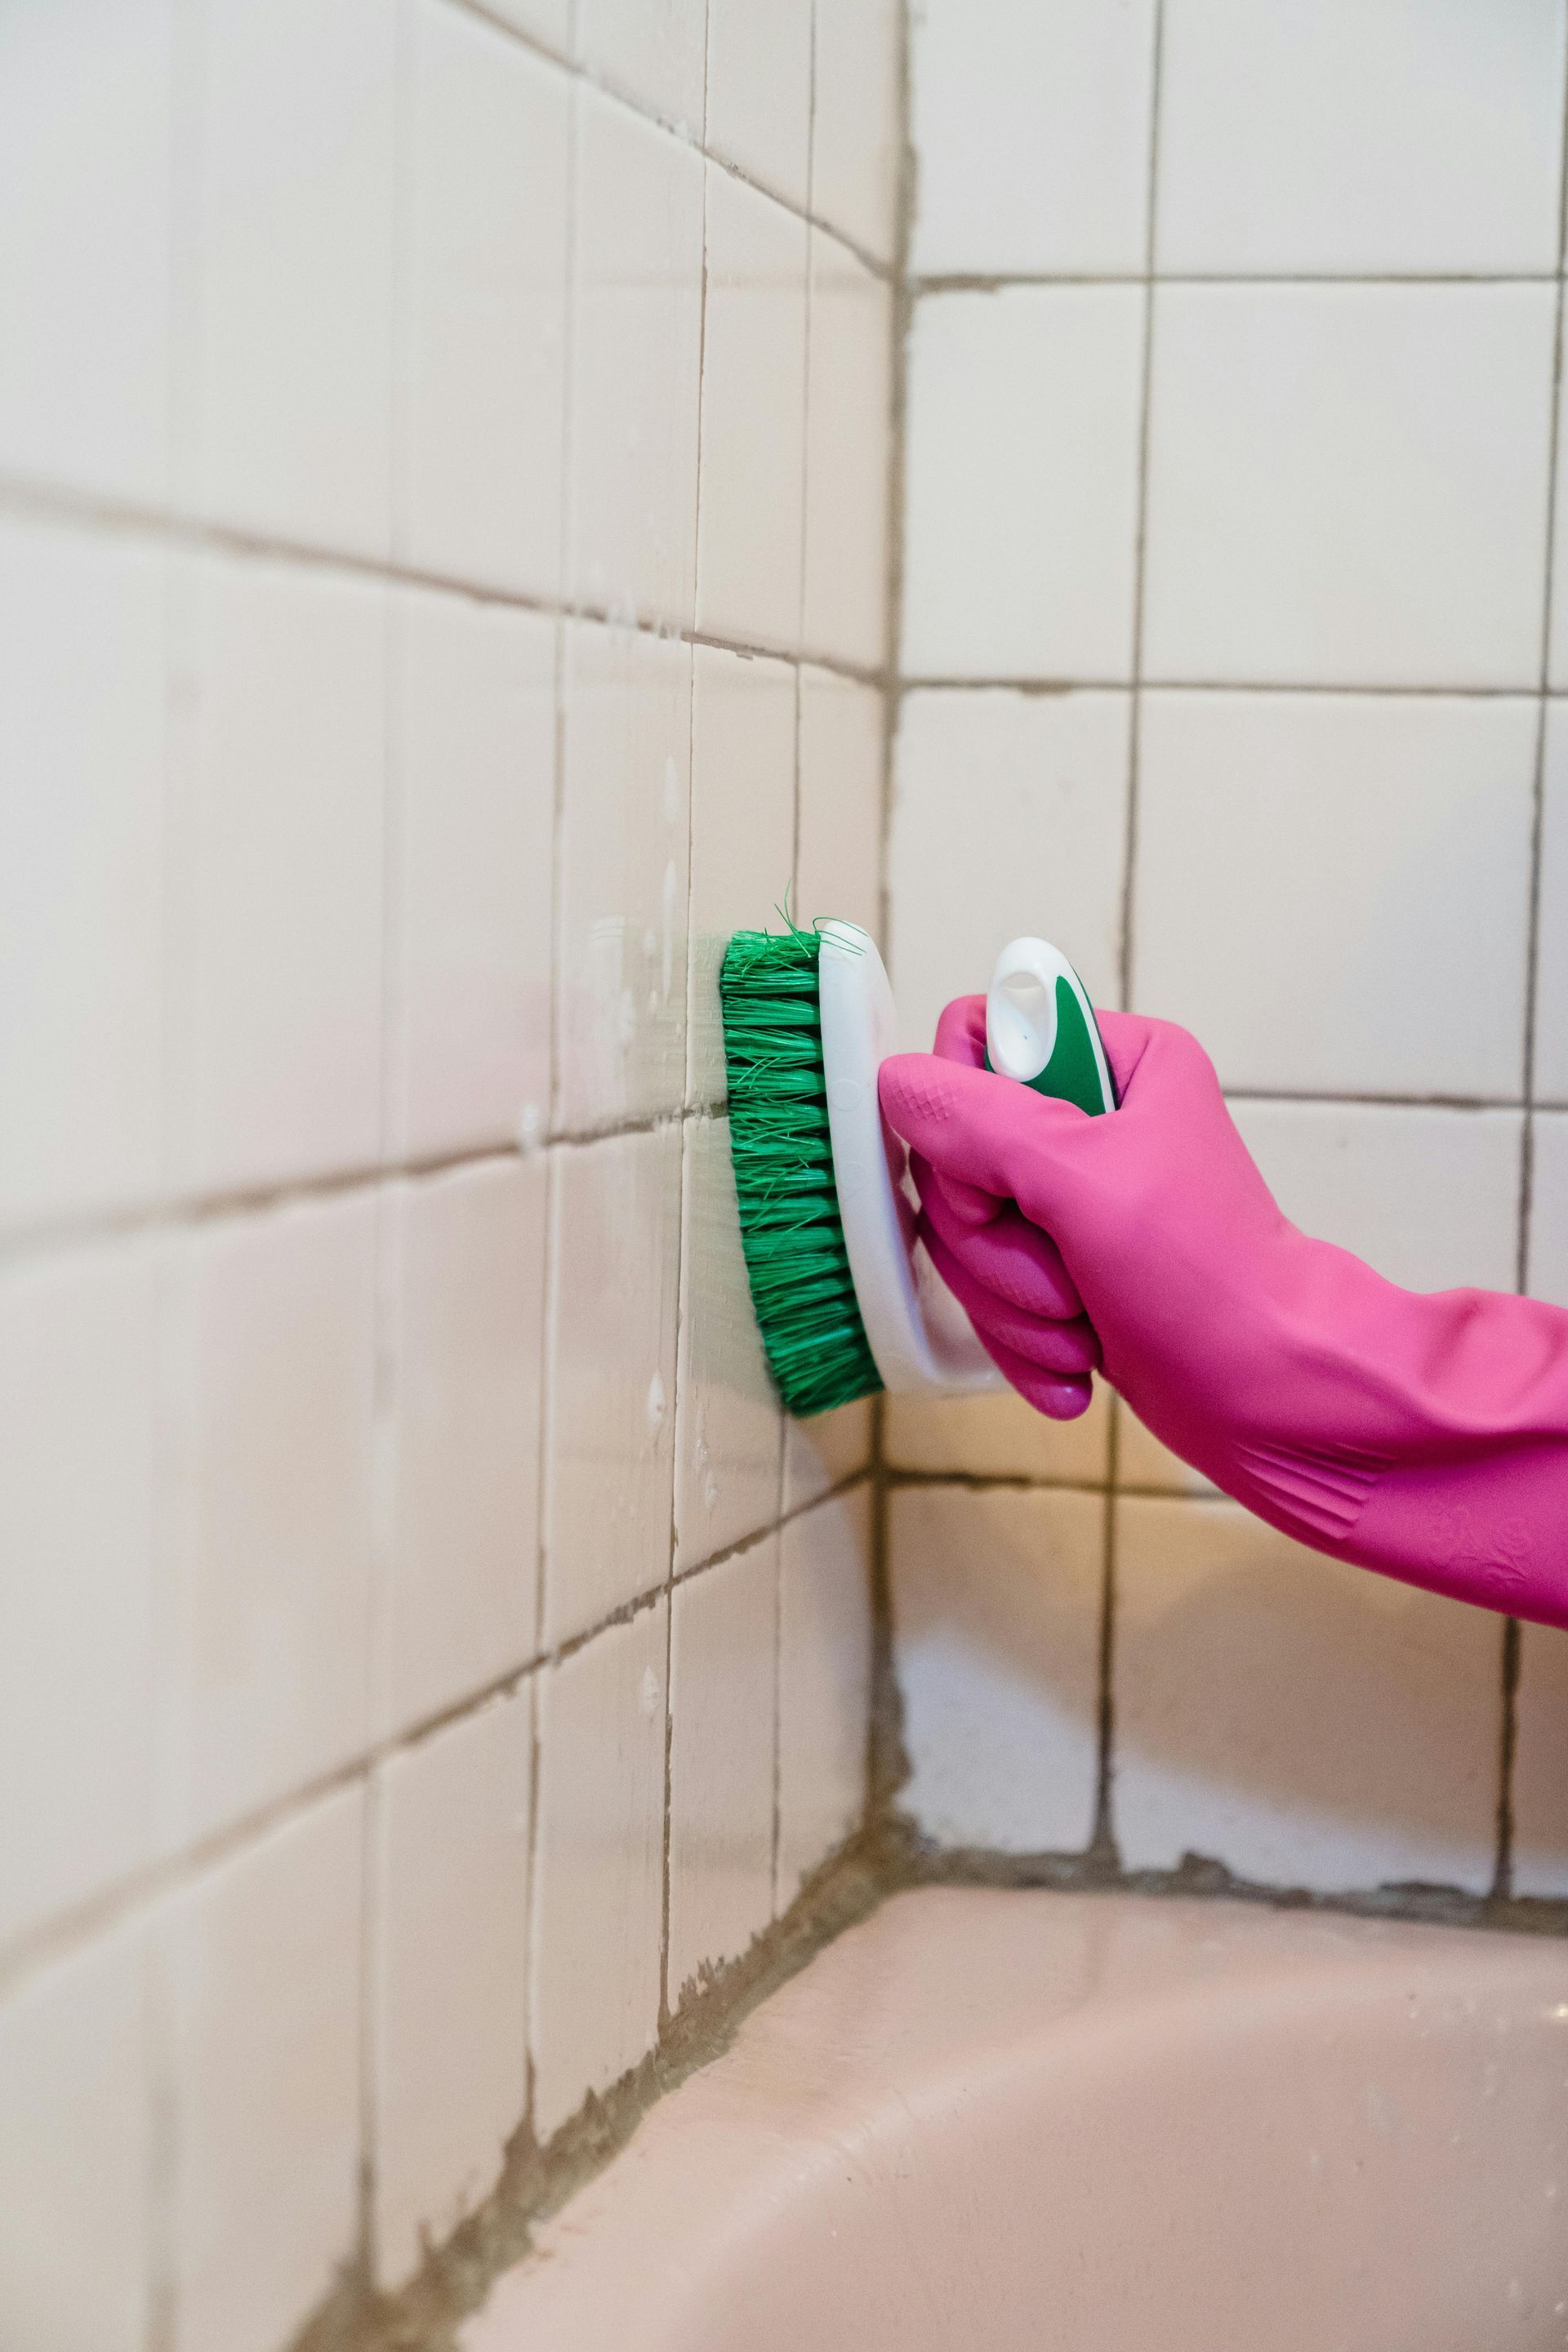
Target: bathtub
[(1001, 2122)]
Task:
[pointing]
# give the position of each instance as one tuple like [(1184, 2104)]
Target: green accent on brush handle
[(1072, 1073)]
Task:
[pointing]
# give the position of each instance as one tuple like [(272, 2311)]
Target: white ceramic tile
[(614, 1252), (474, 764), (1541, 1765), (598, 1886), (1403, 826), (271, 1398), (1304, 1723), (485, 350), (751, 473), (1332, 136), (838, 869), (86, 106), (1031, 130), (759, 90), (722, 1701), (742, 831), (848, 425), (825, 1683), (549, 21), (649, 50), (1552, 981), (632, 538), (621, 956), (77, 1631), (81, 827), (1430, 1198), (277, 855), (997, 1629), (294, 270), (1549, 1208), (727, 1421), (821, 1453), (856, 121), (1347, 484), (1009, 818), (460, 1604), (263, 1957), (998, 1437), (76, 2154), (1021, 503), (451, 2072)]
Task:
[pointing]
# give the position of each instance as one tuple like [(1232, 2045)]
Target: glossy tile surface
[(727, 1422), (722, 1699), (848, 404), (1300, 1721), (997, 1599), (839, 848), (615, 1257), (825, 1683), (460, 1603), (452, 1818), (759, 90), (598, 1868)]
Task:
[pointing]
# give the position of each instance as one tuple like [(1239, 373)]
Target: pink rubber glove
[(1425, 1436)]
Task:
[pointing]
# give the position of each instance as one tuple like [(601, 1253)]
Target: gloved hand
[(1427, 1436)]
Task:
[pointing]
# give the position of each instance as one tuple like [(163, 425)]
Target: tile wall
[(443, 557), (1235, 659)]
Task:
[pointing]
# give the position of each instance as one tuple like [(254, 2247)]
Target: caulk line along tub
[(845, 1297)]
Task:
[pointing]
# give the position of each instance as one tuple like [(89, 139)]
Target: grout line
[(49, 502)]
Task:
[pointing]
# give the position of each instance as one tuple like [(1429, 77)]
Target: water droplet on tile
[(656, 1403), (529, 1126), (647, 1691), (671, 791)]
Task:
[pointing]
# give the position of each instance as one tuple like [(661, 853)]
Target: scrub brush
[(844, 1298)]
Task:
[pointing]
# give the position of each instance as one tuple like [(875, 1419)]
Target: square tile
[(758, 91), (277, 853), (82, 686), (1021, 504), (1541, 1765), (615, 1261), (1403, 824), (451, 1927), (461, 1599), (1551, 1076), (598, 1885), (293, 271), (728, 1416), (751, 469), (270, 1398), (839, 854), (86, 203), (1347, 484), (651, 51), (632, 538), (79, 1631), (264, 1970), (620, 1004), (1031, 130), (825, 1684), (76, 2157), (849, 431), (721, 1704), (473, 770), (484, 344), (1032, 842), (743, 832), (1430, 1198), (997, 1603), (998, 1436), (1302, 1722), (857, 120), (822, 1453), (1548, 1236), (1339, 137)]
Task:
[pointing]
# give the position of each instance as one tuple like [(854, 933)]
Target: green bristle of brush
[(790, 1228)]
